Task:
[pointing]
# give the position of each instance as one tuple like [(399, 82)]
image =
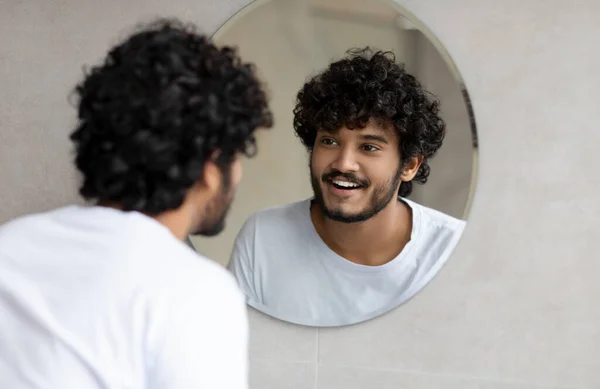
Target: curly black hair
[(366, 85), (162, 103)]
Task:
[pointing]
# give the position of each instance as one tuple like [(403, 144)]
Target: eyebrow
[(373, 137)]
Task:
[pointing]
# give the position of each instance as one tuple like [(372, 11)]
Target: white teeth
[(345, 184)]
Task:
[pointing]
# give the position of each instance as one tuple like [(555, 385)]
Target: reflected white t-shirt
[(287, 271), (95, 298)]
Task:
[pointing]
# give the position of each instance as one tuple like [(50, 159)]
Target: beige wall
[(453, 168), (516, 307)]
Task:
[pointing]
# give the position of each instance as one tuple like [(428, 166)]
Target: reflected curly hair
[(369, 85), (163, 102)]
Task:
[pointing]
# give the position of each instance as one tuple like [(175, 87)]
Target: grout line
[(317, 361), (458, 376), (282, 362)]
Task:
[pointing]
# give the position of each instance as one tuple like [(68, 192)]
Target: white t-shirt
[(92, 297), (288, 272)]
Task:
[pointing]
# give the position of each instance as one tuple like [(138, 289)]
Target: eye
[(369, 148), (328, 141)]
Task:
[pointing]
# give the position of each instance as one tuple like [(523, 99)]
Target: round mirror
[(360, 192)]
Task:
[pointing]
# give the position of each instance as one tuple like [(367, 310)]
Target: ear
[(211, 177), (411, 168)]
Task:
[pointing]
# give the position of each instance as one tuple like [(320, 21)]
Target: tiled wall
[(517, 305)]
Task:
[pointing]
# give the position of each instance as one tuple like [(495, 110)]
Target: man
[(108, 295), (358, 248)]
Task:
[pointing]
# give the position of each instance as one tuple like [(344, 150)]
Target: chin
[(350, 206), (209, 232), (347, 218), (345, 211)]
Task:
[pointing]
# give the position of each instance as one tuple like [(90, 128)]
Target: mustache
[(350, 177)]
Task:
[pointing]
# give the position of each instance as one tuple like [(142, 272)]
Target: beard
[(216, 211), (380, 197)]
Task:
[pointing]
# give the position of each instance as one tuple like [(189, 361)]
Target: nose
[(345, 161)]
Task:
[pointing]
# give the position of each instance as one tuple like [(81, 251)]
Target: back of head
[(162, 103)]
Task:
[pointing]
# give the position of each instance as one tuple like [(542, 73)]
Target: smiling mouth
[(344, 185)]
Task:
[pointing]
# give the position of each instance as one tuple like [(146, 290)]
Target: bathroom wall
[(515, 308), (453, 167)]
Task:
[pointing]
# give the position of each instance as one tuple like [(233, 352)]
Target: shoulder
[(287, 212), (175, 268), (436, 231), (277, 220), (23, 221), (435, 219), (187, 293), (183, 278), (20, 228), (196, 316), (436, 235)]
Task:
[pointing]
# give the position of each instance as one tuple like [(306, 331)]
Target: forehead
[(372, 131)]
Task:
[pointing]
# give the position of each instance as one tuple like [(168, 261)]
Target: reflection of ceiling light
[(404, 23)]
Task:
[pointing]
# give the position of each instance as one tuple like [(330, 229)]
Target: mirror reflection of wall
[(291, 41)]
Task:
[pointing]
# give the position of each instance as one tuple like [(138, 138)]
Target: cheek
[(318, 162), (378, 174)]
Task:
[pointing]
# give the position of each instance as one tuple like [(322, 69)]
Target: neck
[(176, 222), (372, 242)]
